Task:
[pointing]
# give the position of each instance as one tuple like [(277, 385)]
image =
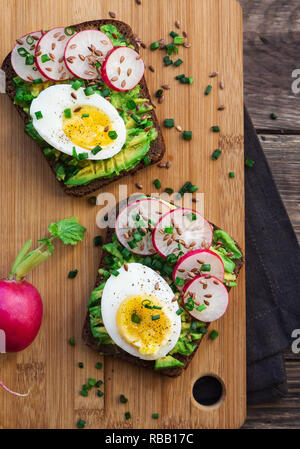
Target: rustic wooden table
[(271, 52)]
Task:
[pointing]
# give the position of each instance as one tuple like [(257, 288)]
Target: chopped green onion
[(146, 160), (112, 135), (72, 341), (213, 335), (179, 311), (131, 104), (208, 90), (205, 267), (92, 200), (98, 383), (97, 64), (29, 40), (157, 183), (29, 60), (159, 93), (105, 92), (72, 274), (193, 189), (178, 62), (155, 415), (82, 156), (249, 162), (187, 135), (171, 48), (45, 58), (169, 123), (179, 77), (91, 381), (127, 415), (68, 113), (88, 91), (98, 365), (157, 307), (201, 308), (168, 62), (96, 150), (192, 216), (115, 273), (154, 46), (84, 393), (85, 115), (231, 174), (216, 154), (169, 190), (215, 129), (179, 282), (77, 84), (69, 31), (155, 317), (273, 116), (135, 318), (22, 52), (38, 81), (184, 80), (100, 393), (169, 230), (178, 40), (80, 365), (191, 79), (98, 240), (132, 244), (38, 115), (123, 399), (189, 305), (173, 34), (136, 118), (81, 424)]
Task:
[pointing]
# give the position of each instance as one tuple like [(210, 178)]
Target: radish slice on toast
[(181, 231), (49, 55), (122, 69), (207, 294), (84, 50), (135, 223), (22, 57), (189, 266)]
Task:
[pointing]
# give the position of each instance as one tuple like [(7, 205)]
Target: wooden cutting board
[(31, 199)]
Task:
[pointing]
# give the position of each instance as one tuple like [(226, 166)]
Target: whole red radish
[(21, 307)]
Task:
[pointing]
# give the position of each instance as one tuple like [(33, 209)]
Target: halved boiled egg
[(75, 123), (139, 314)]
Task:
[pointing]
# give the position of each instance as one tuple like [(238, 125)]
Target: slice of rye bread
[(116, 351), (157, 147)]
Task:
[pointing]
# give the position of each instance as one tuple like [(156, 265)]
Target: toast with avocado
[(139, 276), (82, 95)]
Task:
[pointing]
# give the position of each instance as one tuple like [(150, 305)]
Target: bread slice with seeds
[(157, 147), (114, 350)]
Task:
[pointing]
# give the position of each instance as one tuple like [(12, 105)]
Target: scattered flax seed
[(161, 99), (181, 270), (222, 85), (38, 48), (142, 246), (71, 59), (138, 186), (56, 35), (143, 45), (138, 2), (168, 164), (36, 38), (162, 165), (138, 57), (195, 270), (207, 276), (179, 232), (218, 246), (221, 108), (106, 129), (194, 200), (61, 59), (123, 84), (73, 95), (147, 128), (19, 41), (63, 76), (114, 78), (52, 56), (125, 267), (60, 69), (126, 236), (166, 86), (151, 68), (187, 44), (122, 59), (193, 244), (229, 254), (184, 34), (73, 46), (30, 77), (112, 14), (165, 237), (88, 72), (174, 299), (179, 128), (48, 69), (61, 38), (77, 109), (38, 53), (81, 57), (207, 303), (201, 262), (98, 53), (215, 282), (169, 242), (208, 295), (177, 24), (156, 286), (32, 47), (129, 72), (213, 74)]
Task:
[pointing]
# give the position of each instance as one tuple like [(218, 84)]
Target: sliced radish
[(84, 50), (189, 266), (181, 231), (51, 47), (209, 292), (22, 57), (135, 223), (122, 69)]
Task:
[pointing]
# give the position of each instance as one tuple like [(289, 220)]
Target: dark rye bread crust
[(115, 351), (157, 147)]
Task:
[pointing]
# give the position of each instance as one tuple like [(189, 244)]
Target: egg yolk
[(88, 127), (145, 328)]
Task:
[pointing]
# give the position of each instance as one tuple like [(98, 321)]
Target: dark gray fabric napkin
[(272, 277)]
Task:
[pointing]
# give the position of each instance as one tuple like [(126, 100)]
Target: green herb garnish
[(123, 399), (216, 154), (98, 365), (72, 341), (72, 274), (45, 58), (38, 115)]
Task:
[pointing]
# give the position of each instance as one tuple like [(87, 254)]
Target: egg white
[(52, 102), (138, 280)]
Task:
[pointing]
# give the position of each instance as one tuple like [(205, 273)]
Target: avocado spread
[(138, 123), (191, 330)]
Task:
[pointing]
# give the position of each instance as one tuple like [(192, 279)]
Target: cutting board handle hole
[(209, 391)]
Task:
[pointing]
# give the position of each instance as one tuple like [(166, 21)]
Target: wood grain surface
[(273, 27), (31, 199)]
